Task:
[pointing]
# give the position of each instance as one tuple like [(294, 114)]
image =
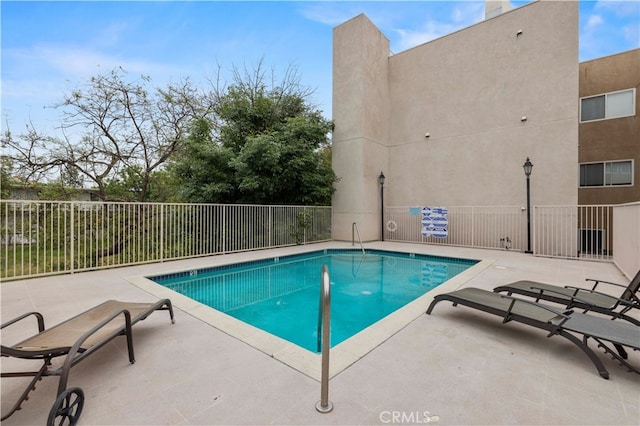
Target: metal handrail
[(354, 230), (324, 339)]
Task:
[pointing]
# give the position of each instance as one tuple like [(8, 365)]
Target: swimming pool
[(305, 361), (280, 295)]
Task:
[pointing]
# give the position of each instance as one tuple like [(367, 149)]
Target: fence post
[(224, 228), (73, 237), (304, 218), (270, 226), (473, 226), (533, 231), (161, 232)]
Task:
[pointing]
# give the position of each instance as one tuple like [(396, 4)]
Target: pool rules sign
[(434, 222)]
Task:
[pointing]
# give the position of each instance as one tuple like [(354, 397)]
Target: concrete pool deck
[(456, 366)]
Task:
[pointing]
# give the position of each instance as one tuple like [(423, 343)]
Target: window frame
[(604, 174), (606, 103)]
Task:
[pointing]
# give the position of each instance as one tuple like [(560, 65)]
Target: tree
[(57, 191), (257, 141), (202, 170), (284, 166), (269, 146), (124, 128), (5, 177)]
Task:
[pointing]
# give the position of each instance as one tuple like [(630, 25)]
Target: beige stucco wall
[(360, 113), (626, 234), (469, 91)]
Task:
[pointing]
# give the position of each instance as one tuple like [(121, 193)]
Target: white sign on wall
[(434, 222)]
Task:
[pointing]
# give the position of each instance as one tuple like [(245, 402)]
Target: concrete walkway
[(456, 366)]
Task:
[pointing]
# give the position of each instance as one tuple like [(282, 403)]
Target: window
[(592, 174), (618, 173), (608, 105), (611, 173), (593, 108)]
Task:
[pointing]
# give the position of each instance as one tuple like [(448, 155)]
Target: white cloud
[(461, 16), (632, 34), (609, 27), (619, 8), (593, 22), (112, 34), (431, 30), (457, 15), (77, 63), (38, 77), (468, 13), (326, 13)]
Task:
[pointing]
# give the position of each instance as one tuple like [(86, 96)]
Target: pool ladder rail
[(324, 339), (354, 231)]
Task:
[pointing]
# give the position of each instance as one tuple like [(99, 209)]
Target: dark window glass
[(592, 108), (592, 174)]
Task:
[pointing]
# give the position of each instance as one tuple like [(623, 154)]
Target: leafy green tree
[(127, 185), (162, 187), (5, 178), (202, 170), (268, 147), (284, 166), (57, 191)]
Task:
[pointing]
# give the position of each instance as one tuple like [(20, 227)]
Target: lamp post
[(381, 182), (528, 166)]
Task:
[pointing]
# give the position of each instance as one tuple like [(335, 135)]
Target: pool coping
[(342, 355)]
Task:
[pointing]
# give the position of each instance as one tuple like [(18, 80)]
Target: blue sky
[(50, 47)]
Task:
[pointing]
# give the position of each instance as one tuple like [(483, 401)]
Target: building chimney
[(495, 7)]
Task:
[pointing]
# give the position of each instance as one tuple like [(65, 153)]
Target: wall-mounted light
[(523, 118), (518, 33), (426, 135)]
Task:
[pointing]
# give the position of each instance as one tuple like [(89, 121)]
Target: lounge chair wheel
[(67, 408)]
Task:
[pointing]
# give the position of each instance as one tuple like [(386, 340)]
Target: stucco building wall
[(469, 91), (361, 117)]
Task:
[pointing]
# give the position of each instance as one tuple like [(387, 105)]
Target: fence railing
[(556, 231), (574, 231), (52, 237)]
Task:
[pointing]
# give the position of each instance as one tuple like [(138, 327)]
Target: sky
[(49, 48)]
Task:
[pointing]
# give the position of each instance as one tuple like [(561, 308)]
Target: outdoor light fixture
[(381, 179), (528, 167)]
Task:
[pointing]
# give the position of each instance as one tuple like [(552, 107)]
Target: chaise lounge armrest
[(38, 315), (574, 297), (633, 303), (105, 331), (596, 282), (562, 316)]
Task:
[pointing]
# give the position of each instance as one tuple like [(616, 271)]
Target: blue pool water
[(281, 295)]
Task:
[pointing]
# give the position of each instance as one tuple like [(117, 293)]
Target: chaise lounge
[(584, 298), (556, 322), (76, 338)]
